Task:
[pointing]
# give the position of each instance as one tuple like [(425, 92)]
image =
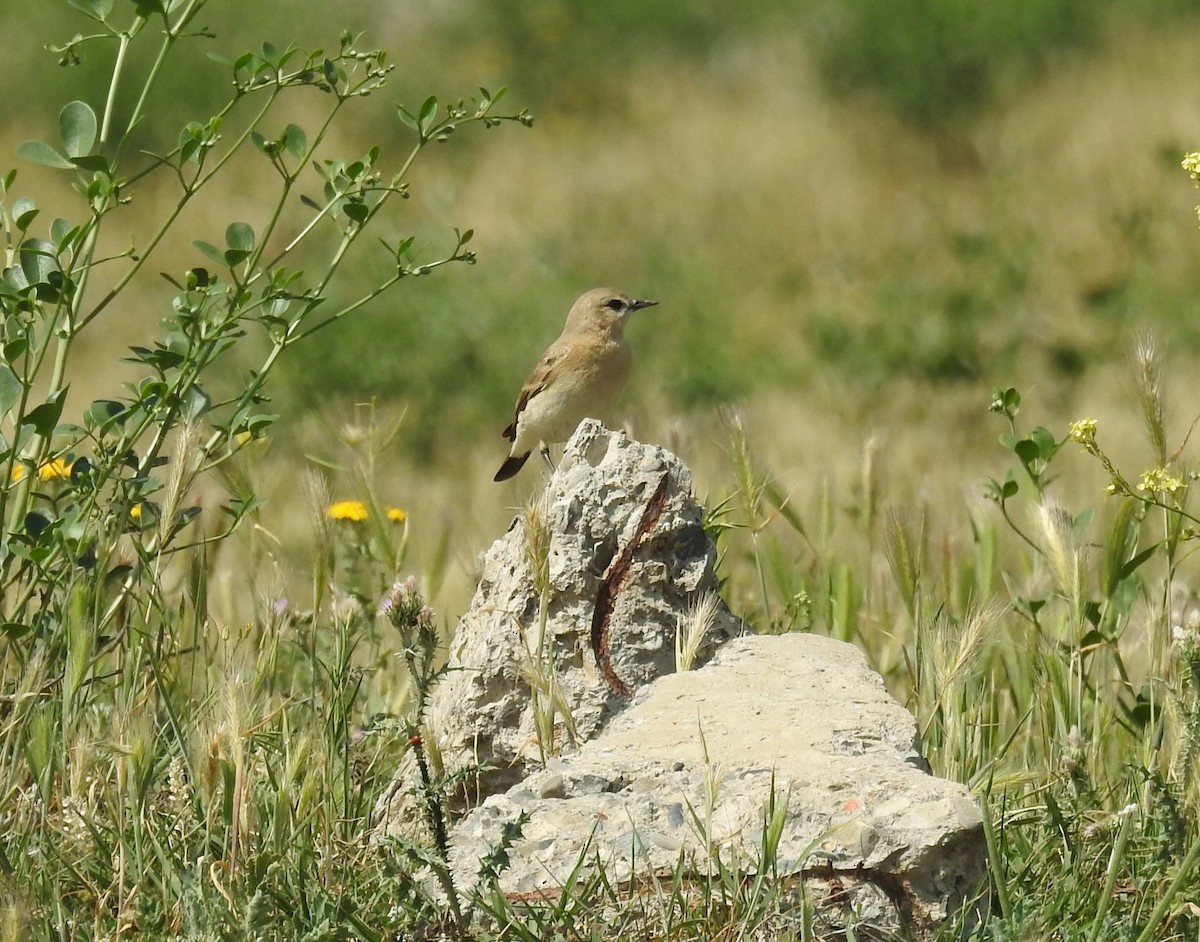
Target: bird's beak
[(638, 305)]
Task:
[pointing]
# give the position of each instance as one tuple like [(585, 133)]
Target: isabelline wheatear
[(578, 376)]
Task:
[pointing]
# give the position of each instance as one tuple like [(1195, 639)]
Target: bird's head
[(604, 309)]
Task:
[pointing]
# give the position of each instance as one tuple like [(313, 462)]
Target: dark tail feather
[(511, 466)]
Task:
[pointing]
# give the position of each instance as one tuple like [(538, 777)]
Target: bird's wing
[(539, 379)]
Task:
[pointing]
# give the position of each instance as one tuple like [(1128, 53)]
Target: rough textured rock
[(658, 767), (482, 712), (866, 826)]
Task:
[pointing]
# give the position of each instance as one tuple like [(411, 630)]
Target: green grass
[(206, 780)]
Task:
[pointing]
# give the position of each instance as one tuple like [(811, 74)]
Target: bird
[(579, 375)]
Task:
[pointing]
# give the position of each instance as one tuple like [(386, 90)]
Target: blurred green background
[(858, 216)]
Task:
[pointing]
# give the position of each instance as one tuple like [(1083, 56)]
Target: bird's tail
[(511, 466)]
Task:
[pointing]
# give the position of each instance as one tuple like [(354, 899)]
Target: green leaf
[(89, 8), (295, 141), (406, 117), (1044, 439), (210, 251), (239, 507), (258, 423), (1027, 450), (38, 261), (103, 410), (45, 417), (62, 232), (14, 629), (1131, 566), (24, 211), (10, 388), (427, 115), (195, 402), (240, 236), (93, 163), (36, 523), (77, 128), (40, 153)]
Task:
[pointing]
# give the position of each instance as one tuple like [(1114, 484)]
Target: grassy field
[(195, 728)]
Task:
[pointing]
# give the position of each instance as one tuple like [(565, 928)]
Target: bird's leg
[(545, 450)]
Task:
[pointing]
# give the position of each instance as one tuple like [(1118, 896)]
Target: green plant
[(159, 768)]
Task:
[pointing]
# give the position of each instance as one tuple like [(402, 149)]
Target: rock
[(563, 687), (692, 765), (508, 700)]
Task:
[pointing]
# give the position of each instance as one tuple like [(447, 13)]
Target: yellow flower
[(57, 468), (135, 512), (396, 515), (1191, 163), (1084, 431), (242, 438), (1160, 480), (18, 472), (353, 510)]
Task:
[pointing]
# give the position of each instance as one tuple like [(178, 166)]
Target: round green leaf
[(240, 236), (77, 128)]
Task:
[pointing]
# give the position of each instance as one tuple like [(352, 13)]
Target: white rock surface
[(481, 713), (801, 714)]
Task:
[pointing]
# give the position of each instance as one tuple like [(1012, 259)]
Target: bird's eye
[(616, 304)]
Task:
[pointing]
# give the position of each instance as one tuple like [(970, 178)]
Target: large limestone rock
[(690, 769), (562, 686), (621, 532)]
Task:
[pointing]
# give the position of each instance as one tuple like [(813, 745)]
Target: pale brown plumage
[(579, 375)]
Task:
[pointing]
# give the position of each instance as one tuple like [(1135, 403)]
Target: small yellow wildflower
[(396, 515), (1191, 163), (1113, 488), (58, 468), (1160, 480), (1083, 431), (135, 512), (353, 510), (18, 472), (242, 438)]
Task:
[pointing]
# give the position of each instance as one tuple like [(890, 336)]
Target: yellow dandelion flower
[(58, 468), (396, 515), (353, 510), (1160, 480)]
